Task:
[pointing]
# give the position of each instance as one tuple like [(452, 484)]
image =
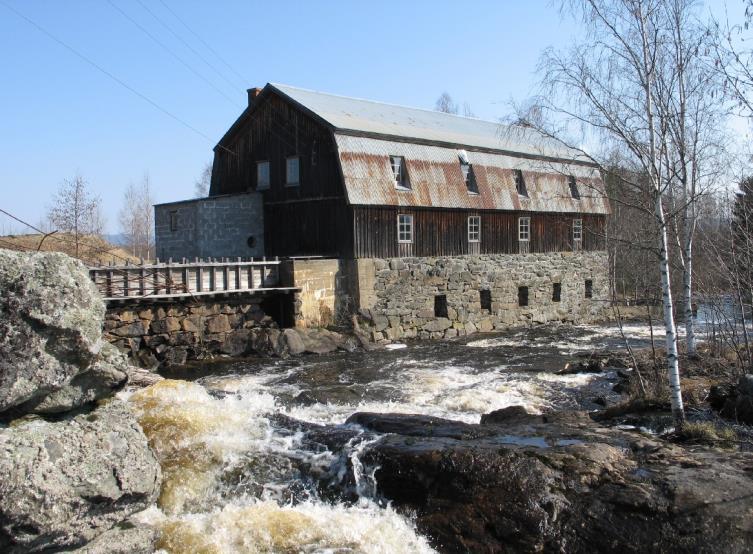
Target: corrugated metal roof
[(376, 118), (436, 179)]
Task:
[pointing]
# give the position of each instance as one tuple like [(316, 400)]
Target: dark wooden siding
[(311, 228), (273, 131), (311, 219), (314, 218), (445, 232)]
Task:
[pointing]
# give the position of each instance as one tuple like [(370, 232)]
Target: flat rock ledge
[(558, 484)]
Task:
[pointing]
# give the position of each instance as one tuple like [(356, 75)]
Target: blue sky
[(59, 115)]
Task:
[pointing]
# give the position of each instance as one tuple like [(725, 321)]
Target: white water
[(233, 480)]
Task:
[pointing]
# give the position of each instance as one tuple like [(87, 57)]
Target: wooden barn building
[(431, 223)]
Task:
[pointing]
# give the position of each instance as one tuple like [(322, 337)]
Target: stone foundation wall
[(172, 334), (402, 302)]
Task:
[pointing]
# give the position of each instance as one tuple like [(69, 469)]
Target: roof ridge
[(382, 103)]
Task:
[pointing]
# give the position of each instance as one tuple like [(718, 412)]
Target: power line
[(107, 73), (181, 39), (173, 54), (243, 80), (97, 249)]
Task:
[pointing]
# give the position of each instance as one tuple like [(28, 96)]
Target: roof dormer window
[(573, 187), (399, 173), (467, 170), (520, 183)]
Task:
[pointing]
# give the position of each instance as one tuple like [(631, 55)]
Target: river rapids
[(239, 478)]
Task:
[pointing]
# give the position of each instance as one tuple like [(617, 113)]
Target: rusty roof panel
[(437, 181)]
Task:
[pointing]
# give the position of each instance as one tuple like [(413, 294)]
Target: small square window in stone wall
[(485, 296), (522, 296), (440, 305), (556, 292)]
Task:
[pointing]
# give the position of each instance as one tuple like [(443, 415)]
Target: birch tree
[(136, 218), (608, 85), (688, 100), (75, 210)]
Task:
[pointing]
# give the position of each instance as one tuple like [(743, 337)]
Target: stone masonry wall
[(171, 334), (402, 304), (217, 227)]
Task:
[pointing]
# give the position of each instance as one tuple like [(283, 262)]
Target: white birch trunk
[(654, 159), (673, 362)]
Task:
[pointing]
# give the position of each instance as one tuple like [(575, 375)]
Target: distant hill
[(92, 250), (116, 239)]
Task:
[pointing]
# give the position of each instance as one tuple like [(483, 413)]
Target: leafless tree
[(201, 185), (688, 105), (614, 86), (734, 59), (726, 249), (136, 218), (445, 104), (75, 210)]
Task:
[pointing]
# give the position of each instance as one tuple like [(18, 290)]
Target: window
[(556, 292), (520, 183), (485, 296), (522, 296), (573, 187), (174, 221), (577, 229), (474, 228), (262, 175), (524, 228), (292, 171), (404, 228), (399, 173), (467, 170), (589, 288), (440, 305)]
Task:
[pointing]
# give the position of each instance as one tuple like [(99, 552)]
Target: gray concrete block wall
[(183, 242), (225, 224), (214, 227)]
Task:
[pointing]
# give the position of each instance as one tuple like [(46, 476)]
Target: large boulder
[(106, 375), (51, 319), (63, 483), (525, 485)]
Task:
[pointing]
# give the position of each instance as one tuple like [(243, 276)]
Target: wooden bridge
[(168, 280)]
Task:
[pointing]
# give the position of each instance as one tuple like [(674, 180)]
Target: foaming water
[(230, 480), (450, 392), (240, 477), (266, 527)]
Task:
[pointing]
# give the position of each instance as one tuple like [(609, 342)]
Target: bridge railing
[(185, 279)]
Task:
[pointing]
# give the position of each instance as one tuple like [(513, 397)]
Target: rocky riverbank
[(75, 465), (322, 453), (527, 483)]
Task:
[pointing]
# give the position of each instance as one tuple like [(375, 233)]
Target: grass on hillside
[(92, 249)]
